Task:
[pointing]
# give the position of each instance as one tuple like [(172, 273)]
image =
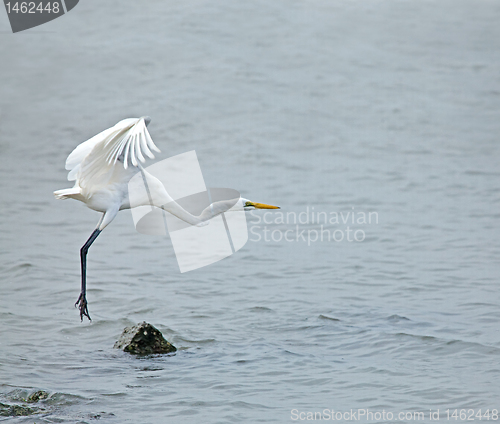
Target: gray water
[(349, 106)]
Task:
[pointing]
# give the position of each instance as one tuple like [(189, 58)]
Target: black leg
[(82, 300)]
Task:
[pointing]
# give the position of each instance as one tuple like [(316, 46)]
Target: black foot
[(81, 303)]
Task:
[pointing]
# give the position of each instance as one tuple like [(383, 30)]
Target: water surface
[(378, 106)]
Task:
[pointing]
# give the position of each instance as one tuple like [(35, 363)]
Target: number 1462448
[(32, 7), (472, 415)]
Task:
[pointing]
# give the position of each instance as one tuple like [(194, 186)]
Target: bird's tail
[(68, 193)]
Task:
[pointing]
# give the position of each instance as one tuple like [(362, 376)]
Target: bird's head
[(250, 206)]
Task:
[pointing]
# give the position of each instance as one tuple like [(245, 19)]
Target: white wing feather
[(92, 162), (81, 151)]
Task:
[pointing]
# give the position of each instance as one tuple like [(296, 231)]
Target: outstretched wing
[(92, 163)]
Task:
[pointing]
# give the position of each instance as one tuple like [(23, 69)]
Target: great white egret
[(102, 168)]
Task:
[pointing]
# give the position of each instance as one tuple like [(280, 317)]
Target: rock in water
[(36, 396), (15, 410), (143, 339)]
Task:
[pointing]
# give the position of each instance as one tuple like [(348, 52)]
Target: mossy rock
[(15, 410), (143, 339), (36, 396)]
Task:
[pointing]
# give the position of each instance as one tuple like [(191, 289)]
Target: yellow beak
[(264, 206)]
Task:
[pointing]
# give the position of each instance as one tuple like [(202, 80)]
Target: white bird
[(102, 168)]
